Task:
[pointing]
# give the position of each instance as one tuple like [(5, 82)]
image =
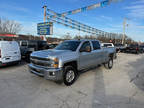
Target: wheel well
[(72, 63)]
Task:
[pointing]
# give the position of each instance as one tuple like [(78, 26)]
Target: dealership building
[(8, 37), (14, 37)]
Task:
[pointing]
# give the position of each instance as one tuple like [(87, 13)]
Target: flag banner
[(76, 11), (83, 9), (104, 3), (67, 22), (93, 6), (70, 21)]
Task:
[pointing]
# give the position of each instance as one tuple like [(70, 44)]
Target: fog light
[(52, 73)]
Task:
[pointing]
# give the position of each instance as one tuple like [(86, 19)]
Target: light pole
[(124, 29), (45, 7)]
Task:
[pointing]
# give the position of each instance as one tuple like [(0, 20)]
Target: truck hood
[(50, 53)]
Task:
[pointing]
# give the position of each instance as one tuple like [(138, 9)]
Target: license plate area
[(37, 70)]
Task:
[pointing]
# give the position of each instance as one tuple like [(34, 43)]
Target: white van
[(9, 52)]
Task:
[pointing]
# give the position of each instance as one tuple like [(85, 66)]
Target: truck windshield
[(68, 45)]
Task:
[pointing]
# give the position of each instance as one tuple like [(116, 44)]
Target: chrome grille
[(39, 58), (41, 62)]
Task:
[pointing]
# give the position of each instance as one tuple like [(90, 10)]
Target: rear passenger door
[(97, 53)]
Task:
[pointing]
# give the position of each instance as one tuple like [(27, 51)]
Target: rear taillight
[(0, 53)]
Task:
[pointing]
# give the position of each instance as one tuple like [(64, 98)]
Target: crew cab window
[(96, 45), (84, 45)]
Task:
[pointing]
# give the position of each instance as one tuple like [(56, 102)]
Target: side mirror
[(87, 49)]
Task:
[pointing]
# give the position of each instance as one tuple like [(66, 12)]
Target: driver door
[(85, 58)]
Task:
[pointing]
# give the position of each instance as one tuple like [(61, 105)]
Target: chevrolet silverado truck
[(64, 63)]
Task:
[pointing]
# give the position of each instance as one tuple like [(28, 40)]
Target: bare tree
[(89, 37), (67, 37), (78, 37), (9, 26)]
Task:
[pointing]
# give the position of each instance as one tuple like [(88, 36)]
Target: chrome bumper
[(50, 74)]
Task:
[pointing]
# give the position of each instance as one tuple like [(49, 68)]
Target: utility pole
[(124, 28), (79, 34), (45, 7)]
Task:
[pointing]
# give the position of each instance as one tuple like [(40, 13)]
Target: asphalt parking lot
[(120, 87)]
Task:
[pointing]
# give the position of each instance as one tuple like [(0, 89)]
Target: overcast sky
[(109, 19)]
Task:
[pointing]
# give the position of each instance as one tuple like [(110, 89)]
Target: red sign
[(8, 35), (110, 41)]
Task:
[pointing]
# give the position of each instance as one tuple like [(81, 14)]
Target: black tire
[(67, 70), (109, 64), (27, 58), (19, 63)]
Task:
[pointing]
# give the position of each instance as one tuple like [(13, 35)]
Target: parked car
[(9, 52), (134, 48), (120, 47), (28, 46), (142, 48), (65, 61), (111, 47)]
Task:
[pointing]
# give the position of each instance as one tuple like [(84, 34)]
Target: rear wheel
[(109, 64), (70, 75)]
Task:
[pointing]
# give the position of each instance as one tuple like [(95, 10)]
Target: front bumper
[(49, 74), (8, 63)]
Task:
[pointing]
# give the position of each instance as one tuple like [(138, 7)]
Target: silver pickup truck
[(63, 63)]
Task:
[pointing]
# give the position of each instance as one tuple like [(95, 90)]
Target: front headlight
[(56, 62)]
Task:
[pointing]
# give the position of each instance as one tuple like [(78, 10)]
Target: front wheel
[(109, 64), (70, 75)]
